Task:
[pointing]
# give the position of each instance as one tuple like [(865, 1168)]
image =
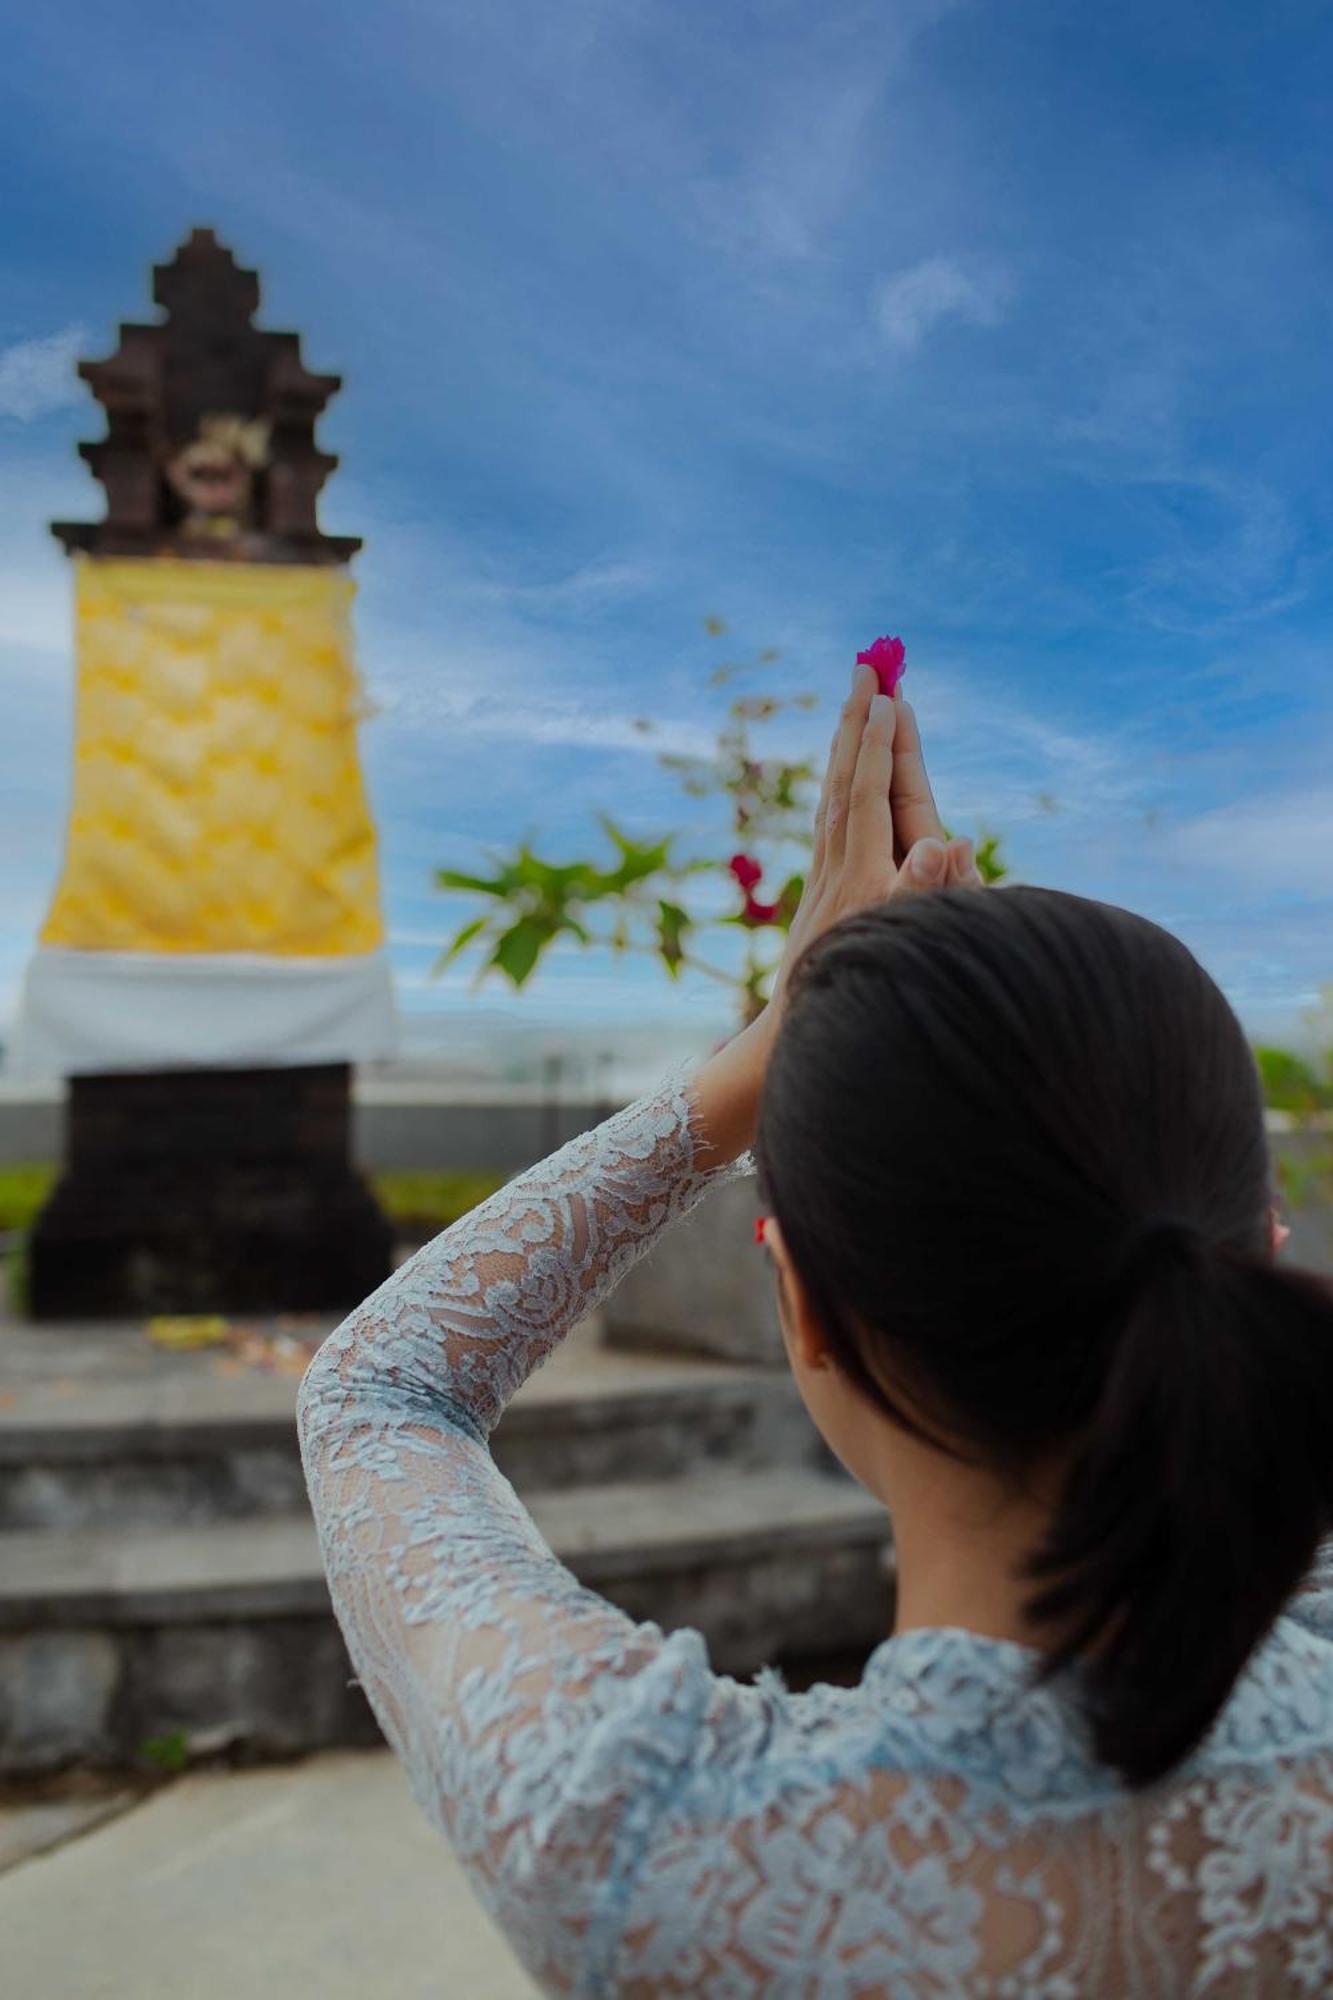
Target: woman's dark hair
[(1015, 1143)]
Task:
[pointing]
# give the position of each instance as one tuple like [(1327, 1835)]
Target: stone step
[(223, 1633), (172, 1450)]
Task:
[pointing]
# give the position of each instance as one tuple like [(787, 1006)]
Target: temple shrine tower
[(213, 958)]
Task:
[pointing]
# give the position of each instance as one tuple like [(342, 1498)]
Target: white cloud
[(36, 586), (534, 719), (798, 173), (37, 376), (1280, 842), (997, 762), (595, 583), (1228, 548), (911, 303), (35, 607)]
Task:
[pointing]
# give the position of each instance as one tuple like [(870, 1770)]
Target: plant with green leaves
[(1293, 1083), (645, 897), (1302, 1085), (168, 1753)]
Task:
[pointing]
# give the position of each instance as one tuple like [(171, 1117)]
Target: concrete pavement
[(319, 1879)]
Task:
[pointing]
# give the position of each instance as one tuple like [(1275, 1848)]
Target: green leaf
[(518, 949), (788, 899), (451, 878), (990, 865), (638, 859), (549, 878), (459, 943), (673, 924)]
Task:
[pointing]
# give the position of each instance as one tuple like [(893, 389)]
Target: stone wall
[(504, 1133)]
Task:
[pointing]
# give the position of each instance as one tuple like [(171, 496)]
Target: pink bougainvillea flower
[(746, 870), (887, 657)]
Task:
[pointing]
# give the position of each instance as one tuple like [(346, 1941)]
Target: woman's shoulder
[(951, 1704), (932, 1704)]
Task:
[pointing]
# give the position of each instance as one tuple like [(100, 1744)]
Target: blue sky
[(1008, 328)]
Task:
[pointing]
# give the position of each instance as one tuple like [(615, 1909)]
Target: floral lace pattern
[(639, 1825)]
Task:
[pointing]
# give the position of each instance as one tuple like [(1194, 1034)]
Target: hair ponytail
[(1196, 1498)]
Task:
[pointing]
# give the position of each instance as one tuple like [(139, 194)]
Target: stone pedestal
[(707, 1288), (226, 1190)]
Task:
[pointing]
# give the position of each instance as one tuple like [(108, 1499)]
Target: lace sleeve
[(534, 1720)]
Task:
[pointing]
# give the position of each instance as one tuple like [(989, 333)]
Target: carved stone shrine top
[(210, 448)]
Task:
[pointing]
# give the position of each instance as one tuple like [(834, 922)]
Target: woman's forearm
[(459, 1326), (725, 1093)]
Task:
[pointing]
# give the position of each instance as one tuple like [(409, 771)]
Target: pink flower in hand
[(887, 657), (746, 870)]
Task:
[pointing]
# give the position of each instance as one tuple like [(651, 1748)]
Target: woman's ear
[(805, 1336)]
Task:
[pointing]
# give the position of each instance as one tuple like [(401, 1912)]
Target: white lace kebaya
[(637, 1824)]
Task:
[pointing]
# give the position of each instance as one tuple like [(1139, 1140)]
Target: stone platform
[(159, 1577)]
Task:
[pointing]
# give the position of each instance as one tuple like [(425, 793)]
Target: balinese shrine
[(212, 962)]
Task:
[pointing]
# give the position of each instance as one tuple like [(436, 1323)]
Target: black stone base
[(208, 1191)]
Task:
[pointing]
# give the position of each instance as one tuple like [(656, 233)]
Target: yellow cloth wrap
[(218, 803)]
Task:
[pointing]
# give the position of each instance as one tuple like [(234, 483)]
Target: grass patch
[(424, 1200), (419, 1201), (168, 1753), (1305, 1182), (415, 1197), (23, 1189)]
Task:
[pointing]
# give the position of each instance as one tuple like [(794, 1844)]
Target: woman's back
[(945, 1829)]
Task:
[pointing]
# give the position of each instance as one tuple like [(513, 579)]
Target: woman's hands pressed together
[(878, 836)]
